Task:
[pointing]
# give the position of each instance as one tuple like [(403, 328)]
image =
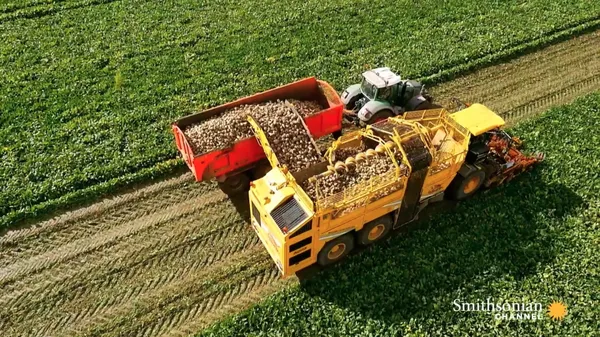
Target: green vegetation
[(89, 87), (533, 240)]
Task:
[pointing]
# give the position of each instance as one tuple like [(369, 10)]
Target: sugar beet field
[(173, 257)]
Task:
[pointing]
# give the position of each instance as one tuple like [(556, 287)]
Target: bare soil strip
[(170, 258), (532, 83)]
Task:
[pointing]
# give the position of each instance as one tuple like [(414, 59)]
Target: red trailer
[(233, 167)]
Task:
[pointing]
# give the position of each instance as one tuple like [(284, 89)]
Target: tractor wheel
[(427, 105), (464, 187), (381, 115), (336, 249), (236, 184), (352, 104), (375, 230)]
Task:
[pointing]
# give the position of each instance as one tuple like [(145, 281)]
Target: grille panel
[(289, 215), (255, 213)]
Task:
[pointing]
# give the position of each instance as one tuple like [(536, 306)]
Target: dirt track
[(172, 257)]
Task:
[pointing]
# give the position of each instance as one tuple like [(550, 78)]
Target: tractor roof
[(382, 77)]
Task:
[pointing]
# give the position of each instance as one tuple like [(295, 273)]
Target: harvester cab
[(383, 94), (491, 149)]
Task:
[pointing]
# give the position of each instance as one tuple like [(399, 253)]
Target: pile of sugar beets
[(352, 166), (283, 127), (294, 147)]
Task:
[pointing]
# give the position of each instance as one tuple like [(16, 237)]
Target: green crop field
[(533, 240), (89, 87)]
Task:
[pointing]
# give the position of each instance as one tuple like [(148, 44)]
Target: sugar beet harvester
[(301, 220)]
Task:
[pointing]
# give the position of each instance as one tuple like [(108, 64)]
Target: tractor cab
[(379, 84), (383, 94)]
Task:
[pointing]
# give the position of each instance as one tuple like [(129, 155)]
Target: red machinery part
[(515, 161), (246, 152)]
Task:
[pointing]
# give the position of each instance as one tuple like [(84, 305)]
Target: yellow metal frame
[(352, 208), (362, 192), (264, 142), (343, 140), (359, 195)]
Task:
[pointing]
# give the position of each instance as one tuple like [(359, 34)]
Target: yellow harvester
[(432, 153)]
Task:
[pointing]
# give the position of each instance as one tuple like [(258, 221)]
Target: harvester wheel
[(235, 184), (381, 115), (375, 230), (464, 187), (336, 249)]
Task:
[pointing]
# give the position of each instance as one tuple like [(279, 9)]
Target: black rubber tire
[(457, 189), (325, 259), (362, 237), (427, 105), (337, 134), (379, 115), (352, 103), (237, 184)]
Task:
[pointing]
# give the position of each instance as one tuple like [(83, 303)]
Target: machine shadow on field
[(503, 233), (241, 202)]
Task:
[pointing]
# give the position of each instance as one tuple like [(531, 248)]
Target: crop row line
[(12, 7), (44, 10)]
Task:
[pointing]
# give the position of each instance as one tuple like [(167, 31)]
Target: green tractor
[(384, 94)]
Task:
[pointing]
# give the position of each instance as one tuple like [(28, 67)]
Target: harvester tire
[(464, 187), (375, 230), (336, 249), (235, 184)]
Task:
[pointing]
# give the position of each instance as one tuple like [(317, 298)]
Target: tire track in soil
[(532, 83), (177, 273), (201, 292), (124, 280), (182, 234), (89, 244), (19, 244)]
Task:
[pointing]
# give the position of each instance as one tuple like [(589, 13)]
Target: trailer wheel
[(235, 184), (337, 134), (464, 187), (336, 249), (375, 230)]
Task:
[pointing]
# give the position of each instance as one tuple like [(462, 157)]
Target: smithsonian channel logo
[(523, 311)]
